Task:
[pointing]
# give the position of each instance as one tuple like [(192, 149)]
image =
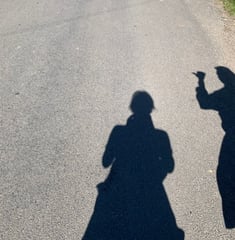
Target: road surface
[(68, 70)]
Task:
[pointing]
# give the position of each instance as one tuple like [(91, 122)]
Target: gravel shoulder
[(220, 27), (228, 37)]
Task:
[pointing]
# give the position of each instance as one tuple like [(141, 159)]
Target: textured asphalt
[(68, 70)]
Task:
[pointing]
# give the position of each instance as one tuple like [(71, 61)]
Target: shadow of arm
[(205, 100), (167, 154), (109, 153)]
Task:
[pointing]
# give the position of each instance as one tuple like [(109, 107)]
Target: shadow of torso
[(132, 202)]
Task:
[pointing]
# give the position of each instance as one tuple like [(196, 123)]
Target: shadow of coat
[(132, 202)]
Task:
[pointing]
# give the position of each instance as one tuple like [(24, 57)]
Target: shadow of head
[(141, 103), (226, 76)]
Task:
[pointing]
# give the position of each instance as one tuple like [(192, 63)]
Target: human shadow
[(223, 101), (132, 203)]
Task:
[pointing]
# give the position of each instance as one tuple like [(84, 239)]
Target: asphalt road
[(68, 70)]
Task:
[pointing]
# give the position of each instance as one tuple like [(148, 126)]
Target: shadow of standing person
[(223, 101), (132, 203)]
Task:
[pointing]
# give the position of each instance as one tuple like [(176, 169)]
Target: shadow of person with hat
[(132, 202)]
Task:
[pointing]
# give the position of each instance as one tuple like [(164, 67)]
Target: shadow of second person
[(223, 101), (132, 203)]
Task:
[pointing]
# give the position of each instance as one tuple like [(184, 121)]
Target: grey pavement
[(68, 70)]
